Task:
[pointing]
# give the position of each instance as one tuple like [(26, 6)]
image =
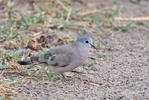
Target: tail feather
[(32, 60), (24, 62)]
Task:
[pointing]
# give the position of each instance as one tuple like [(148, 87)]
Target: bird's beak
[(92, 46)]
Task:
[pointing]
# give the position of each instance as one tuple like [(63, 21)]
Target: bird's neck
[(81, 48)]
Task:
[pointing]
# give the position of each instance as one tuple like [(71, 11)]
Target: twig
[(69, 10), (58, 1), (93, 83), (94, 11), (132, 19), (68, 15), (89, 12)]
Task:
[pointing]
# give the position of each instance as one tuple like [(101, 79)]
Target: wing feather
[(58, 57)]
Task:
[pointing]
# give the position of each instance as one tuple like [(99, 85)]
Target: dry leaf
[(33, 45), (6, 91), (47, 40), (1, 39), (11, 45)]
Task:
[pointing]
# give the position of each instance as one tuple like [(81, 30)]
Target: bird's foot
[(66, 78), (77, 72)]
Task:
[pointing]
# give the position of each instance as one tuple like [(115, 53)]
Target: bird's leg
[(77, 72), (65, 78)]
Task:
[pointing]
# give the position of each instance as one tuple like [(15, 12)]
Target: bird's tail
[(24, 62), (32, 60)]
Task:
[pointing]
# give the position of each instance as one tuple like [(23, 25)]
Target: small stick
[(58, 1), (68, 15), (132, 19), (67, 9)]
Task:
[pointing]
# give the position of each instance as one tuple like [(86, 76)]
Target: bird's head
[(86, 41)]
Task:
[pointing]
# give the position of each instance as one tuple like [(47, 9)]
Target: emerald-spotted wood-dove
[(66, 57)]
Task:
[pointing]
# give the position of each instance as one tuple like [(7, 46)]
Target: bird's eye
[(86, 41)]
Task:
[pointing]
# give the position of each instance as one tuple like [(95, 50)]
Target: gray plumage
[(66, 57)]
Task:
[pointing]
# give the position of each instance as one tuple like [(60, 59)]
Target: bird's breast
[(83, 54)]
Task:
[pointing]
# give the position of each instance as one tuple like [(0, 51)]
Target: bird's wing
[(58, 57)]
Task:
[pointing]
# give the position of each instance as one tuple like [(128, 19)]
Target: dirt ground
[(124, 75)]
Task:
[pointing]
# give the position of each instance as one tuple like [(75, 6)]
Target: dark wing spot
[(53, 58), (46, 56)]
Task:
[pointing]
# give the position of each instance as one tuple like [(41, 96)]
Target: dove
[(64, 58)]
